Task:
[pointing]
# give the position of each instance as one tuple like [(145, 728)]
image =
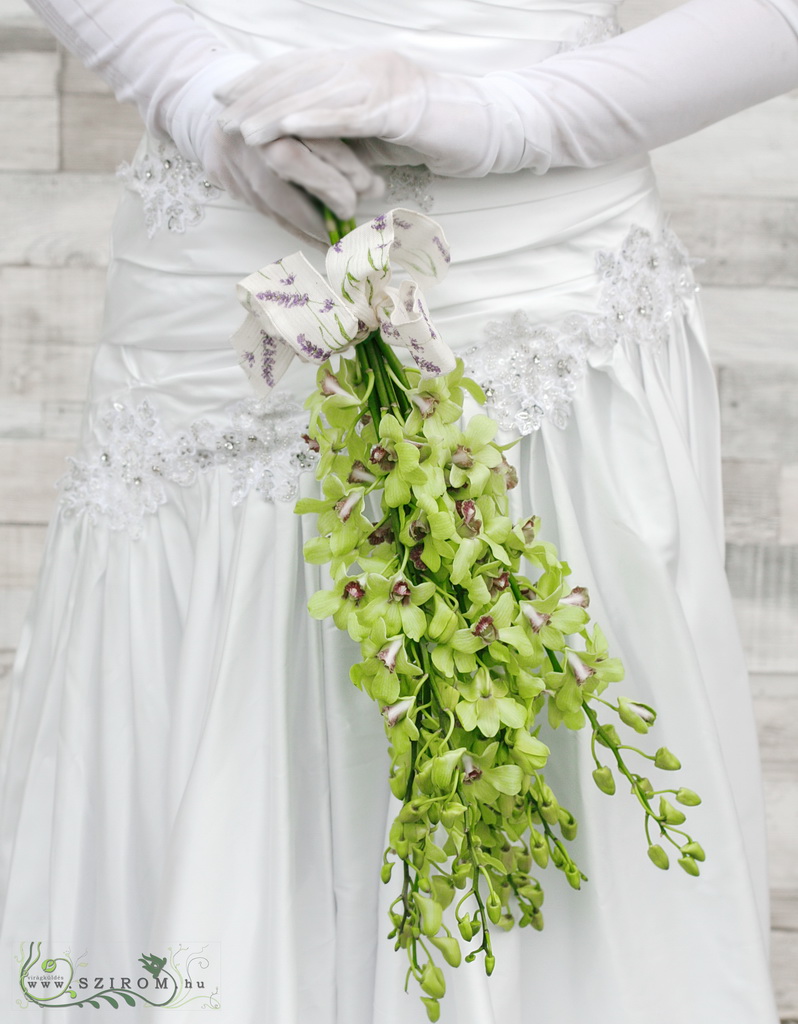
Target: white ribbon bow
[(294, 311)]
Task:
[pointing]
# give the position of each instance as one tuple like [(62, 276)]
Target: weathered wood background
[(733, 193)]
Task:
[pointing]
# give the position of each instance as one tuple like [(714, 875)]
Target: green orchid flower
[(486, 706), (340, 517), (583, 673), (336, 398), (436, 405), (551, 619), (402, 458), (385, 664), (474, 456), (397, 602), (429, 531), (481, 528), (483, 780), (341, 603)]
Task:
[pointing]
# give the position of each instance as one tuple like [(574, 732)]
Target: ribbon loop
[(292, 310)]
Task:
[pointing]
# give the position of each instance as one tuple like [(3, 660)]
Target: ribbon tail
[(264, 357), (407, 323)]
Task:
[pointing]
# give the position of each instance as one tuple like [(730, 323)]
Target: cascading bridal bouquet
[(462, 652)]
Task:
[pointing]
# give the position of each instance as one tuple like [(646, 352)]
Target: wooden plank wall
[(733, 195)]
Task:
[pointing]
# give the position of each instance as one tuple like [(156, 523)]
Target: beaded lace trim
[(410, 184), (125, 473), (594, 30), (529, 372), (174, 191)]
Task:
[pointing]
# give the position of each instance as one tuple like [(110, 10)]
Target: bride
[(185, 761)]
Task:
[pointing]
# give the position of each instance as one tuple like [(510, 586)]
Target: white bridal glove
[(680, 72), (154, 54)]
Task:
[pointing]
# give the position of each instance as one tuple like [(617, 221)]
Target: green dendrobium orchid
[(397, 602), (468, 658)]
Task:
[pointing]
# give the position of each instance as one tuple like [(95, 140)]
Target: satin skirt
[(185, 759)]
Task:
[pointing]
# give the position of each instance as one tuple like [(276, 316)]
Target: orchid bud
[(431, 914), (433, 1008), (658, 856), (694, 850), (540, 855), (450, 947), (490, 963), (460, 875), (385, 871), (608, 737), (398, 784), (494, 907), (415, 831), (568, 824), (605, 780), (666, 760), (645, 786), (638, 716), (432, 980), (464, 925), (452, 813), (689, 866), (574, 876), (524, 862), (670, 814), (548, 808), (536, 921), (534, 895), (688, 797)]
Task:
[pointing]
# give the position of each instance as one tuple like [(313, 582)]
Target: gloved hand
[(453, 121), (686, 69), (279, 178), (155, 54)]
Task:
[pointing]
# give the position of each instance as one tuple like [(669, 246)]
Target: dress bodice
[(475, 36)]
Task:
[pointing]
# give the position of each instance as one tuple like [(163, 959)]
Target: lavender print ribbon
[(294, 311)]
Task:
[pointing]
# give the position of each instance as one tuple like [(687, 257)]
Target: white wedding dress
[(186, 761)]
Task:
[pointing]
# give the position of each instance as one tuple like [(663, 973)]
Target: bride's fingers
[(295, 162), (342, 157)]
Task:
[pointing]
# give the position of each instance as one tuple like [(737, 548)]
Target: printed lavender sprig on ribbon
[(293, 310)]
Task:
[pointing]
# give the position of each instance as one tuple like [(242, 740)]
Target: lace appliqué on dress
[(410, 184), (123, 478), (174, 191), (594, 30), (529, 372)]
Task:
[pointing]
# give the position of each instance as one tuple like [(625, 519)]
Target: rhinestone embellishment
[(131, 463), (529, 372), (174, 191)]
